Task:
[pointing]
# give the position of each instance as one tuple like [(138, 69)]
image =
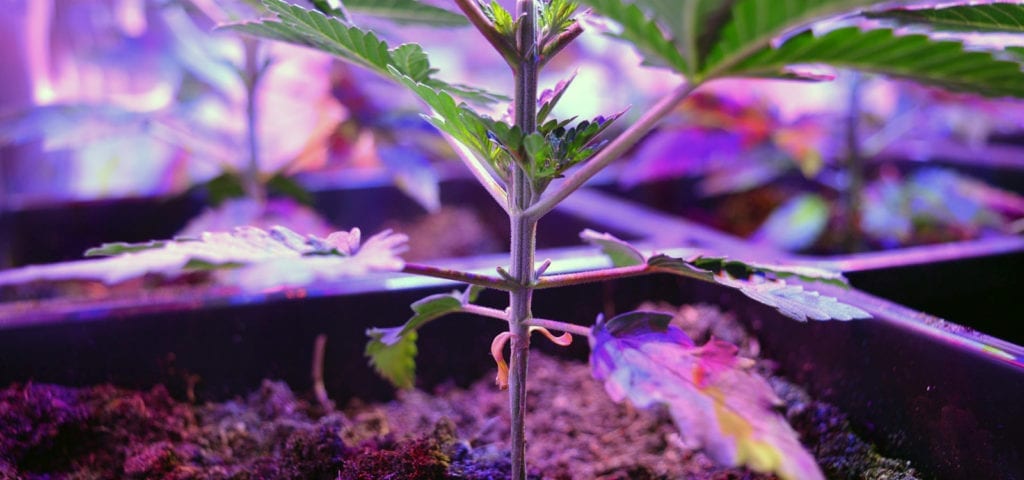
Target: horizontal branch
[(591, 276), (458, 275)]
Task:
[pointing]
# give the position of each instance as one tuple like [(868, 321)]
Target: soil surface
[(575, 431)]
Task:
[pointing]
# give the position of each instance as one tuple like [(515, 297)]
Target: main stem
[(524, 231)]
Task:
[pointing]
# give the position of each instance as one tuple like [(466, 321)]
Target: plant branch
[(501, 44), (551, 48), (560, 326), (480, 172), (614, 150), (591, 276), (458, 275), (486, 312)]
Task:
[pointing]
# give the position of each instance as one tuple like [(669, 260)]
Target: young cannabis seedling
[(532, 161)]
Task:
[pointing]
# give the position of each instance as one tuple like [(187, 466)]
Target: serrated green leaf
[(763, 282), (407, 12), (793, 301), (257, 259), (943, 63), (311, 28), (753, 24), (643, 32), (392, 351), (741, 269), (395, 362), (994, 17), (500, 18)]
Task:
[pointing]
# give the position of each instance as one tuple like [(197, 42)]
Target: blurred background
[(113, 100)]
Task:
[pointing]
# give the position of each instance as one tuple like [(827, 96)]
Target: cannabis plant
[(532, 160)]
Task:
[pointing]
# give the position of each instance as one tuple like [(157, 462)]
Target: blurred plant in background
[(781, 166)]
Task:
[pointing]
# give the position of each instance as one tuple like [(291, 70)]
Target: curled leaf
[(717, 403), (497, 351), (563, 340)]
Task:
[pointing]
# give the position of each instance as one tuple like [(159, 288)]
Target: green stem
[(253, 186), (524, 235)]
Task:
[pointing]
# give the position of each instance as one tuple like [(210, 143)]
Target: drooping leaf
[(717, 403), (993, 17), (395, 362), (392, 351), (407, 12), (639, 29), (621, 253), (311, 28), (753, 24), (762, 282), (258, 259), (942, 63)]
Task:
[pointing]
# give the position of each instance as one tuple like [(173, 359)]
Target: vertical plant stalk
[(524, 231), (251, 77), (854, 191)]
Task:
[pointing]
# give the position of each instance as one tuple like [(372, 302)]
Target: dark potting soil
[(574, 431)]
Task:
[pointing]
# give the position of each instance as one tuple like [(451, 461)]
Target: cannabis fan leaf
[(253, 259), (762, 282), (334, 35)]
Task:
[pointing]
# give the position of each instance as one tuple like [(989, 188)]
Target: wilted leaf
[(717, 403), (392, 351), (258, 259)]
